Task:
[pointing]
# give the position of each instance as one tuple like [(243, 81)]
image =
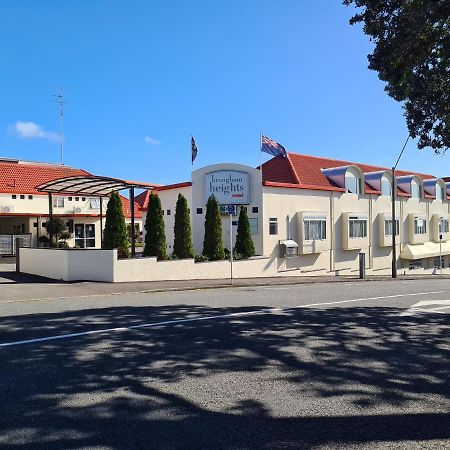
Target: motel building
[(308, 215), (24, 210), (314, 216)]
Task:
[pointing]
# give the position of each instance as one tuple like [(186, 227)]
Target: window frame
[(355, 219), (273, 222), (417, 229), (322, 220)]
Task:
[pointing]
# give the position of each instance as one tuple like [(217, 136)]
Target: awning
[(426, 250), (91, 185), (289, 243)]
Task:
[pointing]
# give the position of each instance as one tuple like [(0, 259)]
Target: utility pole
[(394, 222), (59, 98)]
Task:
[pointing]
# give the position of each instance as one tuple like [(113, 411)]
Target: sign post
[(440, 253), (231, 210)]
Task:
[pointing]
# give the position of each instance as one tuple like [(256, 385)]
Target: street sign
[(232, 210)]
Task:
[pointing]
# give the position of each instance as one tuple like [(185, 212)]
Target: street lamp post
[(394, 222)]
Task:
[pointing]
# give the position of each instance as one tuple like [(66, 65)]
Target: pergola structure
[(94, 186)]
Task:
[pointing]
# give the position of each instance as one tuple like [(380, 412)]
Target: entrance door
[(85, 235)]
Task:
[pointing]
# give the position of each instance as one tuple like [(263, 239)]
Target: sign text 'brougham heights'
[(228, 186)]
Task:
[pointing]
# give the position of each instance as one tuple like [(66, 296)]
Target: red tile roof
[(304, 171), (23, 178), (142, 198), (126, 208)]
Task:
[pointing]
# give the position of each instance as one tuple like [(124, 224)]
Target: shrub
[(115, 234), (244, 244), (182, 245), (201, 258), (155, 237), (213, 243)]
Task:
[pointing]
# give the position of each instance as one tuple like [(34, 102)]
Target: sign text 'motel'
[(228, 187)]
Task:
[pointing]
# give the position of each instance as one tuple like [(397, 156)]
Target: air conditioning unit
[(7, 209), (77, 210)]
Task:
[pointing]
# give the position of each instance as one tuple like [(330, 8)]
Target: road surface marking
[(429, 306), (201, 318)]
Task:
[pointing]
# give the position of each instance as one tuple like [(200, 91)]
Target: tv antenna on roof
[(59, 98)]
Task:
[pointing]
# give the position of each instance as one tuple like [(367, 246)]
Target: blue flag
[(272, 148)]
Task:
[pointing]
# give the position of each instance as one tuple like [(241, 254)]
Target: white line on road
[(198, 319)]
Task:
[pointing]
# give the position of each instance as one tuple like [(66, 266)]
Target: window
[(70, 199), (77, 199), (83, 199), (357, 227), (315, 228), (420, 225), (58, 202), (388, 227), (273, 226), (415, 264), (168, 212), (415, 189), (85, 235), (14, 196), (199, 210), (94, 203), (440, 193), (386, 186), (353, 182), (30, 197), (22, 197), (255, 210), (253, 222), (443, 225)]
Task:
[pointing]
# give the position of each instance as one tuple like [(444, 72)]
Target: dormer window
[(415, 189), (440, 192), (353, 183), (386, 186)]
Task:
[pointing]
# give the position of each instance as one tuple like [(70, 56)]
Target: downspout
[(370, 232), (332, 232)]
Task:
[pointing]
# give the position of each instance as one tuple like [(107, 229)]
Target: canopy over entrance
[(94, 186)]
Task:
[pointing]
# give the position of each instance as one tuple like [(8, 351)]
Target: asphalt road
[(338, 365)]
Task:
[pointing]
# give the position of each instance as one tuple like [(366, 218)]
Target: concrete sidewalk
[(19, 287)]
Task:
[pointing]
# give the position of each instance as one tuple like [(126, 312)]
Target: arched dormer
[(349, 178), (411, 184), (380, 181), (435, 187)]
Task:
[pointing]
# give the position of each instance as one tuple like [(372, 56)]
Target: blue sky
[(141, 76)]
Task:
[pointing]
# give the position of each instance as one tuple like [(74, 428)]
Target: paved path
[(334, 365)]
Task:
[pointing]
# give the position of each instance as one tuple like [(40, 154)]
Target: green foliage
[(115, 234), (412, 54), (155, 237), (212, 242), (58, 228), (201, 258), (244, 246), (182, 245)]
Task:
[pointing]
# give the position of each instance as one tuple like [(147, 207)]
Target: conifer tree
[(155, 237), (244, 243), (213, 243), (116, 234), (182, 244)]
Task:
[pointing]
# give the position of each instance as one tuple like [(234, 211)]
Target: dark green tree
[(212, 242), (182, 244), (155, 237), (412, 55), (58, 229), (115, 234), (244, 244)]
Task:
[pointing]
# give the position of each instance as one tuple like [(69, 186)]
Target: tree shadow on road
[(213, 383)]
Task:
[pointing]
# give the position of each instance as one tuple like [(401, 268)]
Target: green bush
[(155, 237), (116, 234), (212, 242), (244, 244), (201, 258), (182, 245)]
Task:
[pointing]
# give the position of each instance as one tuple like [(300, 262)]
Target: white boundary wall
[(103, 265)]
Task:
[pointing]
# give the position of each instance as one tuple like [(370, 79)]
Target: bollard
[(362, 265), (19, 244)]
